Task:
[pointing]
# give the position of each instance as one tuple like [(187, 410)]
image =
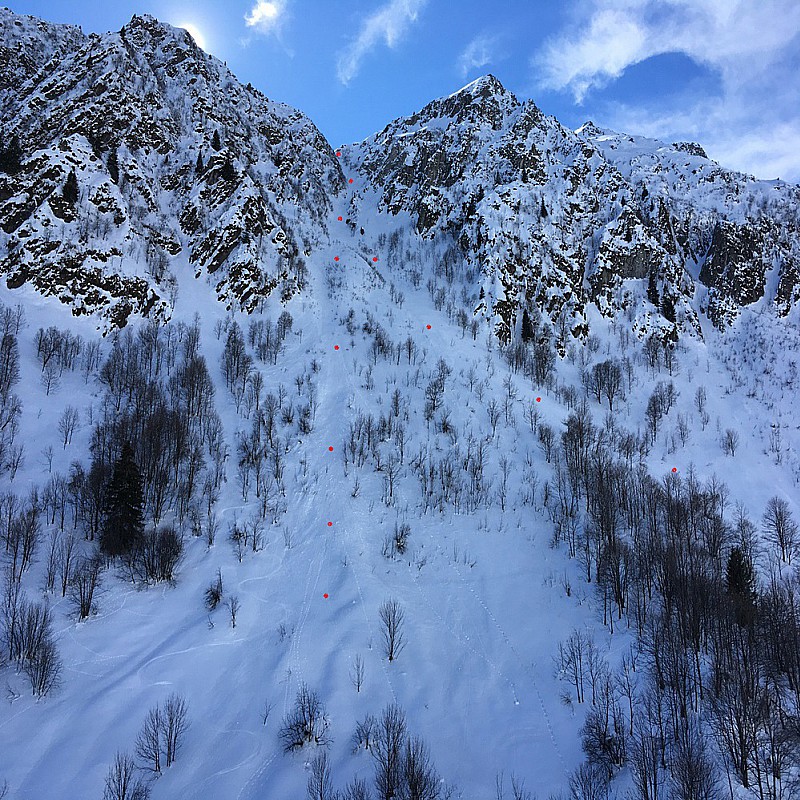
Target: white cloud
[(751, 124), (621, 33), (389, 23), (477, 54), (266, 15)]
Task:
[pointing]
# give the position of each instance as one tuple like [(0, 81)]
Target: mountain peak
[(146, 25), (483, 100), (693, 148), (485, 86), (589, 130)]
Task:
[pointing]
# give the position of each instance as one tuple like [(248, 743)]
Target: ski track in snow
[(525, 666), (461, 638), (355, 390)]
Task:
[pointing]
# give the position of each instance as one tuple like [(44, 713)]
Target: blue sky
[(721, 72)]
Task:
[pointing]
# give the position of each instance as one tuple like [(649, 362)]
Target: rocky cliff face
[(177, 166), (557, 219), (173, 158)]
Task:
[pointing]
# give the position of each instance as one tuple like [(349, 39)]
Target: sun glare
[(195, 33)]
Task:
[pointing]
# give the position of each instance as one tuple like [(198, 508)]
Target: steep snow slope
[(484, 596)]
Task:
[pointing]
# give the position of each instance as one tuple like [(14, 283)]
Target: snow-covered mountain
[(172, 156), (555, 218), (467, 456), (540, 214)]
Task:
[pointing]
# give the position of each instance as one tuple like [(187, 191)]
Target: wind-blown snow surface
[(483, 592)]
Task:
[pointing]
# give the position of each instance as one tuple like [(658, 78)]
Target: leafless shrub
[(306, 723), (214, 592), (122, 782)]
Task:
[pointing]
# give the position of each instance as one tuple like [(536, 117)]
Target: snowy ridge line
[(523, 664)]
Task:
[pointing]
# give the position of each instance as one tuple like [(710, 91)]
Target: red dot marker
[(325, 595), (375, 258), (336, 258), (330, 524), (331, 449), (538, 399), (336, 347), (340, 219), (351, 180), (428, 327), (674, 469), (338, 153)]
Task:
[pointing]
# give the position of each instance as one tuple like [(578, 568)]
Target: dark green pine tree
[(227, 171), (10, 156), (740, 582), (652, 289), (199, 165), (70, 190), (527, 327), (215, 141), (113, 165), (543, 210), (123, 519), (668, 308)]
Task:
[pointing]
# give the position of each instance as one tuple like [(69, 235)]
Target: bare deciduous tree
[(357, 672), (364, 733), (175, 720), (392, 616), (214, 592), (730, 441), (781, 528), (588, 782), (233, 606), (387, 749), (68, 424), (149, 742), (83, 584), (356, 790), (547, 439), (419, 776), (320, 784), (306, 723), (122, 782), (51, 378)]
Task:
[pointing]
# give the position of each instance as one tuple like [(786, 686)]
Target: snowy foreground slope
[(537, 517), (484, 595)]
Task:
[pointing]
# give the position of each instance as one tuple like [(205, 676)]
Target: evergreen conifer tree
[(227, 171), (11, 156), (527, 327), (668, 308), (199, 165), (652, 289), (740, 582), (113, 165), (123, 522), (70, 190), (215, 141)]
